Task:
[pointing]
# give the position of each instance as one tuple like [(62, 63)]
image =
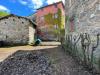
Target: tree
[(2, 13)]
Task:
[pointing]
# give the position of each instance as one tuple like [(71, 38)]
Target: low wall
[(85, 48), (14, 31)]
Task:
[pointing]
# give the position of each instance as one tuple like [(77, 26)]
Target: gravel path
[(51, 61)]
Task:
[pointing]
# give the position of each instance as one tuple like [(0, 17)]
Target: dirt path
[(5, 52), (63, 64)]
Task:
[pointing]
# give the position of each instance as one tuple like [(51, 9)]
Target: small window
[(6, 17), (5, 22), (13, 19), (56, 26), (18, 17), (22, 22), (55, 15), (42, 18)]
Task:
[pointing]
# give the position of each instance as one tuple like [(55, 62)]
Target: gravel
[(26, 63), (50, 61)]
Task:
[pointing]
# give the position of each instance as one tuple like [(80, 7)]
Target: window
[(56, 26), (22, 22), (13, 19), (6, 17), (55, 15), (42, 18), (5, 22), (18, 17)]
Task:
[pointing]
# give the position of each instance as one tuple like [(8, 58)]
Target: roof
[(51, 5), (12, 15)]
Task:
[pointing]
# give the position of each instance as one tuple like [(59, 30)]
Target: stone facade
[(83, 16), (16, 30)]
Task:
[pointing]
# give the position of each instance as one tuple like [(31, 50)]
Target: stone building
[(16, 30), (83, 16)]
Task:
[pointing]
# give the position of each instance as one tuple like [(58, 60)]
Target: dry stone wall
[(83, 16), (86, 15), (14, 30)]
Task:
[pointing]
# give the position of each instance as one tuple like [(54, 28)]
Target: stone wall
[(86, 15), (14, 30), (83, 16)]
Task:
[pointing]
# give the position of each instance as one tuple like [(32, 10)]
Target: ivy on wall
[(48, 19), (68, 27), (57, 20)]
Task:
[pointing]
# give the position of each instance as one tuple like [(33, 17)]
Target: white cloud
[(23, 2), (37, 3), (53, 1), (3, 8)]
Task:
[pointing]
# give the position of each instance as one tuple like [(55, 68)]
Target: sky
[(24, 7)]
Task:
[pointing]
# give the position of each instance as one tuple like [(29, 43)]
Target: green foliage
[(3, 13), (67, 18), (59, 18), (49, 19), (62, 32), (56, 19), (99, 62)]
